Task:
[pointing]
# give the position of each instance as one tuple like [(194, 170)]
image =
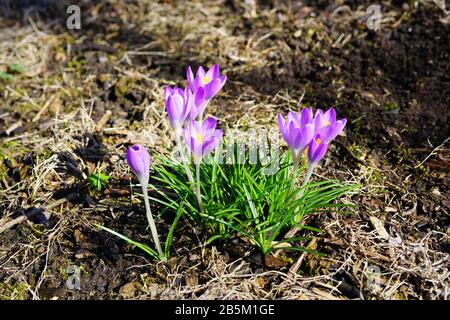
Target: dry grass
[(59, 105)]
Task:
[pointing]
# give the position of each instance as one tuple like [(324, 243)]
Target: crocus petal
[(212, 142), (167, 93), (319, 120), (292, 132), (316, 149), (306, 116), (199, 103), (282, 126), (223, 79), (202, 138), (330, 115), (187, 136), (178, 91), (320, 152), (331, 132), (293, 117), (174, 108), (341, 124), (318, 112), (213, 72), (209, 123), (200, 76), (201, 72), (190, 141), (213, 87), (199, 97), (194, 128), (190, 78), (303, 136)]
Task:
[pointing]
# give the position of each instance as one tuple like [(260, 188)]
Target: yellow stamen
[(318, 140), (199, 137), (327, 123), (206, 79)]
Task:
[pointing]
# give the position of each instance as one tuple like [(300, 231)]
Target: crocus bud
[(316, 149), (138, 159), (177, 105)]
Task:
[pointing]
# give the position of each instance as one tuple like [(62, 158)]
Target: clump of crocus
[(138, 159), (184, 107), (315, 133), (210, 81), (201, 139)]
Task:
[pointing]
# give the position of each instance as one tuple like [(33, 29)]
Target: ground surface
[(85, 96)]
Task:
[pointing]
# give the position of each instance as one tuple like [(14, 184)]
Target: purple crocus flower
[(202, 138), (327, 125), (181, 104), (196, 102), (317, 149), (138, 159), (298, 129), (211, 81)]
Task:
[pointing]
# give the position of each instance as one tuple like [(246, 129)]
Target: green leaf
[(98, 181), (141, 246), (16, 68), (239, 200), (6, 76), (169, 238)]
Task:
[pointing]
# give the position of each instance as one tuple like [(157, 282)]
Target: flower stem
[(183, 160), (306, 180), (151, 223), (198, 192), (309, 173), (296, 161), (189, 173)]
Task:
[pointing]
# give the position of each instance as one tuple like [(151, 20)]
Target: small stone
[(298, 33), (129, 290), (436, 192), (261, 282), (193, 257), (378, 225), (153, 289), (79, 237), (83, 254)]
